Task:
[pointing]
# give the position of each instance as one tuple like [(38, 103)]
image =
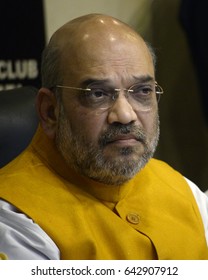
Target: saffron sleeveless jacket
[(153, 216)]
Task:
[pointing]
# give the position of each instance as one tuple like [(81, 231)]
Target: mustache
[(117, 129)]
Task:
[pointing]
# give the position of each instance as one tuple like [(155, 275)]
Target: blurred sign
[(22, 41)]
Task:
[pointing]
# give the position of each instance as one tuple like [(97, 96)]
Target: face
[(108, 145)]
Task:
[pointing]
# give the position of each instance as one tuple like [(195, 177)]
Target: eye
[(97, 93), (94, 97), (141, 91)]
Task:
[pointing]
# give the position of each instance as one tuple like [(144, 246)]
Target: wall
[(184, 134), (59, 12)]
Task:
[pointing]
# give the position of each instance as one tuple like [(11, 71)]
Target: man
[(87, 186)]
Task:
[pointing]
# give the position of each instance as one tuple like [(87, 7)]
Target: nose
[(121, 111)]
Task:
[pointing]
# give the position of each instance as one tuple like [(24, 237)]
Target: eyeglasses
[(141, 96)]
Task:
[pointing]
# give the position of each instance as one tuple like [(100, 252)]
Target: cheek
[(87, 124), (150, 122)]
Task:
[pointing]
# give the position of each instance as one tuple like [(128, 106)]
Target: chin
[(116, 170)]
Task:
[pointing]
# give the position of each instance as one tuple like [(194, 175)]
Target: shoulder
[(202, 202), (173, 182), (166, 174), (183, 186)]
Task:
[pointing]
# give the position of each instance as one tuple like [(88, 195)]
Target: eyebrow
[(143, 79), (86, 82), (137, 79)]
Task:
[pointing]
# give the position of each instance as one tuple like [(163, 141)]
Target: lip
[(126, 140)]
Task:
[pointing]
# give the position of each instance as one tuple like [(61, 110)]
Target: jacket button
[(3, 256), (132, 218)]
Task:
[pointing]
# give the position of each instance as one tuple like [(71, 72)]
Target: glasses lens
[(96, 97), (142, 97)]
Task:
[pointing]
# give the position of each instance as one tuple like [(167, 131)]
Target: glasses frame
[(158, 90)]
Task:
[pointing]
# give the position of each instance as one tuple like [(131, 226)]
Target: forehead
[(120, 64)]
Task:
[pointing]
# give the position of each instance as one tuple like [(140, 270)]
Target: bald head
[(92, 25), (92, 61), (92, 39)]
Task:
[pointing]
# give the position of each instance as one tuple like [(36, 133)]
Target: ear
[(47, 108)]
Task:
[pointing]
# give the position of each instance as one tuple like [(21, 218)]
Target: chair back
[(18, 121)]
